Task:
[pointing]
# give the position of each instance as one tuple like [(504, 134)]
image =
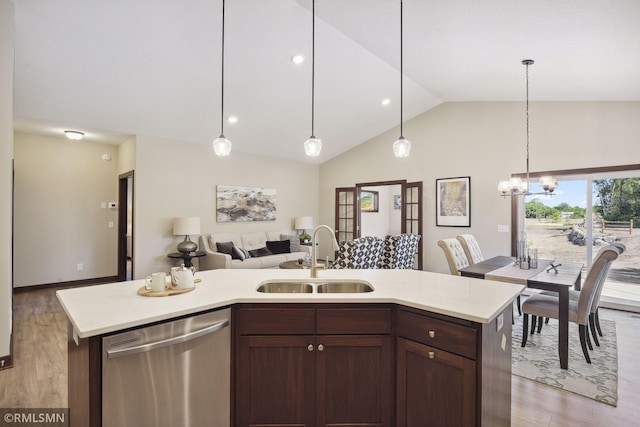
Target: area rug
[(539, 361)]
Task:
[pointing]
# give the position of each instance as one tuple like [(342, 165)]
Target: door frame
[(122, 224)]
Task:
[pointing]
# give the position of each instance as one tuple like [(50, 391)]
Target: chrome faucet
[(334, 242)]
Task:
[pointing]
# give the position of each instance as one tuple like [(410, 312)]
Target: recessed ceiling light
[(385, 101), (232, 119), (74, 134), (297, 58)]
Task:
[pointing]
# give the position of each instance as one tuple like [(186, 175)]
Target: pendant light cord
[(222, 80), (313, 62), (401, 72), (527, 90)]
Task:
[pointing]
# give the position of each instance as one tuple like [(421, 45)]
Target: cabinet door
[(434, 387), (275, 381), (354, 380)]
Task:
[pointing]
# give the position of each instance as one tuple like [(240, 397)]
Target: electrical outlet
[(503, 228), (110, 224), (80, 267), (500, 322)]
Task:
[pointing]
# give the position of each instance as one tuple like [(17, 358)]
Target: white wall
[(60, 186), (127, 156), (6, 169), (174, 179), (387, 221), (486, 141)]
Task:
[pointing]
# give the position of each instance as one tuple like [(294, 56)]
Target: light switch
[(503, 228), (103, 205)]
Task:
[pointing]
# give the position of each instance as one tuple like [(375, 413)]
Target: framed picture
[(241, 204), (453, 202), (369, 201)]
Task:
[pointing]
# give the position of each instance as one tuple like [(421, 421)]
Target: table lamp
[(303, 223), (184, 227)]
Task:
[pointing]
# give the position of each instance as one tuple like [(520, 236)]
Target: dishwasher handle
[(126, 351)]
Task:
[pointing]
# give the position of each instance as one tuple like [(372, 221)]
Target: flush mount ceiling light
[(402, 146), (74, 134), (232, 119), (222, 146), (385, 101), (297, 58), (313, 145), (516, 186)]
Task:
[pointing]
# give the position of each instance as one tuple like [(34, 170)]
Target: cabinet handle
[(432, 355), (432, 334), (310, 347), (320, 347)]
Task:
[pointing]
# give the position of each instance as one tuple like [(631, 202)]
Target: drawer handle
[(432, 355), (310, 347), (320, 347), (432, 334)]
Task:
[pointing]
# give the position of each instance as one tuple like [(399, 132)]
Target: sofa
[(250, 250)]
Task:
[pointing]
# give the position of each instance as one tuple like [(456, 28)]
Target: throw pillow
[(279, 246), (260, 252), (294, 242), (225, 247), (241, 254)]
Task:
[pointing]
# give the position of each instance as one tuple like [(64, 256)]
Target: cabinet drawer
[(447, 336), (275, 321), (354, 321)]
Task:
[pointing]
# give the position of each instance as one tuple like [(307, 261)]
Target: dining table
[(564, 276)]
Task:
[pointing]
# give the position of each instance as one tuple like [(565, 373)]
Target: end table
[(187, 257)]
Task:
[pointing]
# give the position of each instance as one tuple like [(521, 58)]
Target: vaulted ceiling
[(152, 67)]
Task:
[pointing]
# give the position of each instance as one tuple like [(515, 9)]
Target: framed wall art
[(369, 201), (453, 202), (241, 204)]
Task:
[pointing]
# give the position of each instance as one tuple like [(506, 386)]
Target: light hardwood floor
[(39, 375)]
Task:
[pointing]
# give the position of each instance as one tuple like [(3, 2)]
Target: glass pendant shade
[(222, 146), (402, 147), (548, 183), (312, 146)]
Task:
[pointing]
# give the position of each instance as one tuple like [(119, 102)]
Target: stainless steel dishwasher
[(170, 374)]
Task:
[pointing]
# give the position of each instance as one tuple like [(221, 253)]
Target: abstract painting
[(453, 202), (240, 204)]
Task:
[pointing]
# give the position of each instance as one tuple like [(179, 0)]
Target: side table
[(187, 257)]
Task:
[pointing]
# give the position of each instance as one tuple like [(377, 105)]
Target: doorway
[(125, 227)]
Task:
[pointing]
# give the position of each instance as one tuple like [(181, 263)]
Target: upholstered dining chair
[(471, 248), (542, 305), (454, 252)]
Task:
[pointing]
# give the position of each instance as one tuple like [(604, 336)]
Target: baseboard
[(72, 283), (6, 362)]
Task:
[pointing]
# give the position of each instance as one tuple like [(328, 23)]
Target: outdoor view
[(557, 226)]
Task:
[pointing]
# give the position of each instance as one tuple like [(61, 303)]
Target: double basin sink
[(322, 286)]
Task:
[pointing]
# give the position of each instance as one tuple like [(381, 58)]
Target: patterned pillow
[(241, 254)]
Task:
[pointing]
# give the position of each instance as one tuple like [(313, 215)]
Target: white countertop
[(100, 309)]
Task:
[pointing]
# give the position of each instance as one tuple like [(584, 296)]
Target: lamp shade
[(303, 223), (186, 225)]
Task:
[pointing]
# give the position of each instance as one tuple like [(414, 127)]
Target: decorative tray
[(143, 291)]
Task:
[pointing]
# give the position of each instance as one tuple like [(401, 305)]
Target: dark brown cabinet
[(322, 366)]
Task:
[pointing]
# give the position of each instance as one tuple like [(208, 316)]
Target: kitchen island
[(411, 317)]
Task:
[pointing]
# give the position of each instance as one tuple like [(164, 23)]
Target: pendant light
[(313, 145), (222, 146), (402, 146), (515, 186)]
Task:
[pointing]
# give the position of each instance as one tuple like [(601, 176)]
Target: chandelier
[(516, 186)]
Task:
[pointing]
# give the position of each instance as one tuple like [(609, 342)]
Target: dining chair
[(548, 305), (454, 252), (471, 248), (594, 319), (474, 254)]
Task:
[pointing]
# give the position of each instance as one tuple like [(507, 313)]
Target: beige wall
[(174, 179), (486, 141), (60, 186), (127, 156), (6, 157)]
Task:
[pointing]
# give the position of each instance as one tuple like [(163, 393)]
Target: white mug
[(156, 282)]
